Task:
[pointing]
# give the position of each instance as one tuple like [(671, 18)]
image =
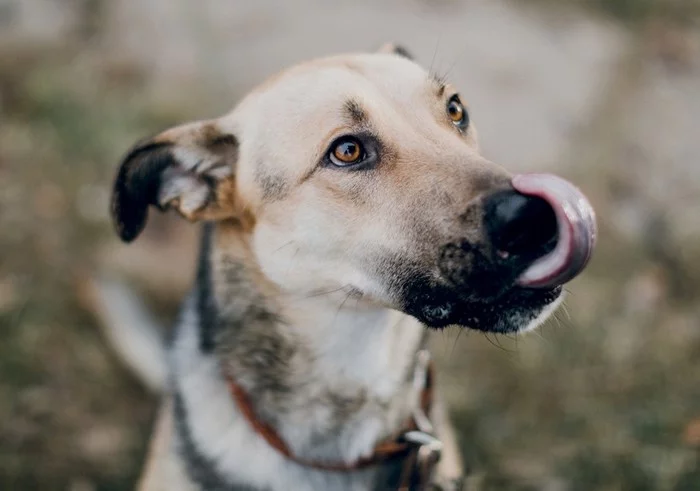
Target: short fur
[(316, 281)]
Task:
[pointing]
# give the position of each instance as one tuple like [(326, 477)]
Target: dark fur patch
[(440, 83), (248, 331), (237, 305), (238, 322), (136, 187), (251, 341), (273, 186), (441, 90), (462, 285), (437, 304), (396, 49), (402, 51), (206, 306), (220, 141), (354, 110), (221, 144)]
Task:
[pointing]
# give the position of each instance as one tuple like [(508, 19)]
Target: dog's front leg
[(449, 475)]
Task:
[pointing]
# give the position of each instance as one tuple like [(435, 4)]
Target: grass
[(69, 414), (633, 12), (607, 399)]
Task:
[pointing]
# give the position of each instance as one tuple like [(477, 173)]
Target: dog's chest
[(357, 392)]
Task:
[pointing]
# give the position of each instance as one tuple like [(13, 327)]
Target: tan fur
[(160, 466), (305, 227)]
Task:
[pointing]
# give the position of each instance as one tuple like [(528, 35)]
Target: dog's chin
[(517, 310)]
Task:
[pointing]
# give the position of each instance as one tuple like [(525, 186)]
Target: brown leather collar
[(386, 450)]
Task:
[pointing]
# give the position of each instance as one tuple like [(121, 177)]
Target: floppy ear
[(189, 168), (395, 49)]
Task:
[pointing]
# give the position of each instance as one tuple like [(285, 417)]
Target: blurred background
[(604, 92)]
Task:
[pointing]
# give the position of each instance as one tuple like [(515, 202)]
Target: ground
[(606, 93)]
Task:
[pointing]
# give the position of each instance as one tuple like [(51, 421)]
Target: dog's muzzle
[(534, 236), (545, 225)]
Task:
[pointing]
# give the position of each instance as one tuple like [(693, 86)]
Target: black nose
[(520, 226)]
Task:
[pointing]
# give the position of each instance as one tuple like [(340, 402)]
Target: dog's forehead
[(287, 123), (325, 84)]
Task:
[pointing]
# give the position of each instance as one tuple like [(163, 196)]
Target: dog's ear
[(190, 168), (396, 49)]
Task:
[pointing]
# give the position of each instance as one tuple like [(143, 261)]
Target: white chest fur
[(369, 351)]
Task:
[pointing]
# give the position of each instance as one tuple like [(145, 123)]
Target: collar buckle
[(420, 471)]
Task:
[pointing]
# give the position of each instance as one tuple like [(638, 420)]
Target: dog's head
[(363, 172)]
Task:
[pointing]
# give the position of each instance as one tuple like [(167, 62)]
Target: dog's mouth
[(576, 230), (538, 235)]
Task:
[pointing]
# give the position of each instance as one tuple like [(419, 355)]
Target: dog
[(346, 211)]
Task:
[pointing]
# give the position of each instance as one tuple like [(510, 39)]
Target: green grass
[(600, 401), (68, 412), (633, 11)]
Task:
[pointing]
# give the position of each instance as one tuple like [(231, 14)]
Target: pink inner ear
[(576, 226)]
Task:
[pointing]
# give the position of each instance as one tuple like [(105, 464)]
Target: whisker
[(320, 294), (457, 60), (486, 335), (566, 311), (460, 330), (289, 269), (560, 323), (337, 312), (449, 71), (497, 338), (437, 46), (563, 322), (284, 245), (539, 335)]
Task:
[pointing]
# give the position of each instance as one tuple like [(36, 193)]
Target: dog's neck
[(329, 372)]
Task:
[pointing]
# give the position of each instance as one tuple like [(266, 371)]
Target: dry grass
[(605, 399), (70, 416), (634, 11)]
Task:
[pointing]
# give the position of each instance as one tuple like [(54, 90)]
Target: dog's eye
[(457, 112), (346, 151)]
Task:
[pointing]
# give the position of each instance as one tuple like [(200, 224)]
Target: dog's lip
[(577, 230)]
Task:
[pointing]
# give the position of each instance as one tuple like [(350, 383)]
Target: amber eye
[(457, 112), (346, 151)]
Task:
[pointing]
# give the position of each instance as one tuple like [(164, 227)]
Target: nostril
[(519, 225)]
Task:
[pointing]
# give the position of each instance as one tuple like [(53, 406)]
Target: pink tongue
[(577, 230)]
